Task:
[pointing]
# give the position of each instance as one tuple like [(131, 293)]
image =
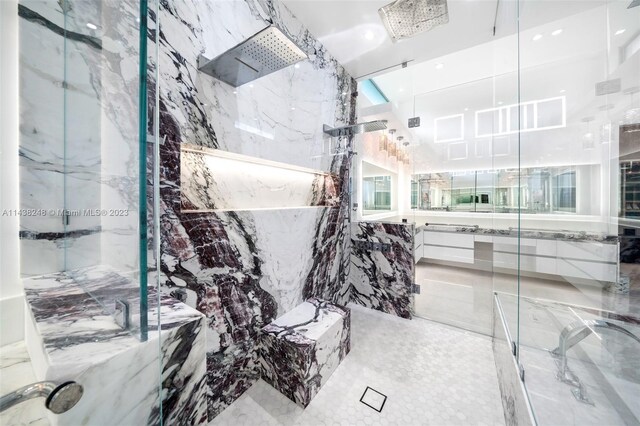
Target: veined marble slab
[(383, 280), (72, 336), (301, 349), (242, 269)]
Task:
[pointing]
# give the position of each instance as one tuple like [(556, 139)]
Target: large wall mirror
[(550, 190)]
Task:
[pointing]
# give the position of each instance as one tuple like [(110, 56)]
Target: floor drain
[(374, 399)]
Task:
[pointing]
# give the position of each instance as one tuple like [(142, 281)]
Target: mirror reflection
[(377, 184), (550, 190)]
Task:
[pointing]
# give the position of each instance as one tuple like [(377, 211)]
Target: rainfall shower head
[(407, 18), (265, 52), (355, 129)]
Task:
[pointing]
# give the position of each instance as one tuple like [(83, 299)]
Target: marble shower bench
[(302, 348), (71, 334)]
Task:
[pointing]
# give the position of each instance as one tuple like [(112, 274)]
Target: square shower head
[(265, 52), (407, 18)]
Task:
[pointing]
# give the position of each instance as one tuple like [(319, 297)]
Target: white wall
[(11, 292)]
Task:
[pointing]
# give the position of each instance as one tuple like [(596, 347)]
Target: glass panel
[(86, 148), (105, 191), (456, 190), (578, 314)]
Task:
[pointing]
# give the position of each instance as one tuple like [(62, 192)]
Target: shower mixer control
[(372, 246), (414, 122)]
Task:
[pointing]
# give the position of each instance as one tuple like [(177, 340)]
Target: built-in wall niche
[(550, 190), (215, 180)]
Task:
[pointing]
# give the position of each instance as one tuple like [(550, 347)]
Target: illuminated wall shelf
[(212, 180)]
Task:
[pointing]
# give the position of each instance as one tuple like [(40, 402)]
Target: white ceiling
[(480, 71), (584, 34), (343, 26)]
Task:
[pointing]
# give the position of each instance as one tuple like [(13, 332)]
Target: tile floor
[(432, 374)]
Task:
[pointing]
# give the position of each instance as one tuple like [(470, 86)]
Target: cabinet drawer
[(587, 270), (542, 265), (547, 247), (450, 254), (510, 245), (588, 251), (547, 265), (450, 239)]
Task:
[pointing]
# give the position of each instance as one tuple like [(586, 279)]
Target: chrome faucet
[(59, 398), (573, 333), (570, 336)]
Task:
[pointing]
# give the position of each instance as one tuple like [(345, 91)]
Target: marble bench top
[(72, 316), (307, 322)]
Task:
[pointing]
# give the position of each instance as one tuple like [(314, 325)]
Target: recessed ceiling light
[(251, 86), (235, 92), (401, 89), (466, 109), (556, 32), (620, 31), (562, 91), (296, 66), (537, 37), (293, 108), (500, 103), (92, 26), (439, 66), (369, 35)]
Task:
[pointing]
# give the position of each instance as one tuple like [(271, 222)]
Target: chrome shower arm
[(25, 393), (59, 398)]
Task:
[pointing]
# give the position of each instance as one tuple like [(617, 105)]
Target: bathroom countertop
[(72, 315), (395, 220), (525, 233)]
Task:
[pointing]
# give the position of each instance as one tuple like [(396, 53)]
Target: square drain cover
[(373, 399)]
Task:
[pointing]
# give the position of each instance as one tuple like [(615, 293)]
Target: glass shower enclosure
[(86, 154), (523, 184)]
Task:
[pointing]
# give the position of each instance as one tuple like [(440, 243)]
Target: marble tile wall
[(382, 280), (244, 268)]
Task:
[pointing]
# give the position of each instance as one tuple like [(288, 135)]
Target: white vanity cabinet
[(583, 259), (448, 246)]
